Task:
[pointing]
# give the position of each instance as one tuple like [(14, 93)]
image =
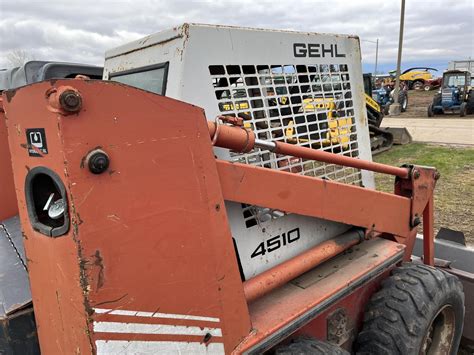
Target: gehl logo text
[(316, 50)]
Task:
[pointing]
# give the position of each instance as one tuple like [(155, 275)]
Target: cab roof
[(34, 71)]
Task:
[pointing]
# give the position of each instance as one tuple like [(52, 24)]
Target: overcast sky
[(81, 30)]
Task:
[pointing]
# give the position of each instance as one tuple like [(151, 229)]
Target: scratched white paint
[(157, 347), (140, 328), (123, 312)]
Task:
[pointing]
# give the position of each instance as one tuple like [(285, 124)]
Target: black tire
[(463, 109), (470, 103), (427, 87), (436, 102), (413, 306), (306, 346), (418, 85), (430, 110)]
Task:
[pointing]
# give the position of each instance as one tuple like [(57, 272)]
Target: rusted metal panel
[(149, 237), (8, 207)]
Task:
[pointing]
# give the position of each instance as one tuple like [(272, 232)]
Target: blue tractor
[(456, 94), (384, 97)]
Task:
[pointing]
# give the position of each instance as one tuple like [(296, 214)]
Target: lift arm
[(395, 216)]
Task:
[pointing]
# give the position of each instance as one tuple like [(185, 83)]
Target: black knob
[(98, 161)]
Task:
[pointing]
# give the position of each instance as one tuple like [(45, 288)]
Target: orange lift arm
[(396, 214)]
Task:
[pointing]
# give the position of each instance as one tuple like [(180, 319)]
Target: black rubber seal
[(30, 205)]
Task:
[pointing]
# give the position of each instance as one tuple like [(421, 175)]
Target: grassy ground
[(454, 194)]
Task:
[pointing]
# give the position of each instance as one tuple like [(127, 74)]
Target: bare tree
[(18, 57)]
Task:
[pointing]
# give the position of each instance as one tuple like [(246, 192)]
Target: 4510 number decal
[(275, 243)]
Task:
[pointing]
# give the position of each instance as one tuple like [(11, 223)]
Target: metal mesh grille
[(447, 95), (308, 105)]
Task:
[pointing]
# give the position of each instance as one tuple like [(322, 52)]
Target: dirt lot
[(418, 102), (454, 194)]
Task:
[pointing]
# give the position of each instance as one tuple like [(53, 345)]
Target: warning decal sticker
[(36, 138)]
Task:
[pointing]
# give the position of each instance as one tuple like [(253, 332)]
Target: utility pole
[(376, 54), (395, 107), (376, 58)]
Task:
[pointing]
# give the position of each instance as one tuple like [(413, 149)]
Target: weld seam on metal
[(2, 226)]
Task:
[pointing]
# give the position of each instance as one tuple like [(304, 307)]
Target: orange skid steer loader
[(119, 262), (150, 229)]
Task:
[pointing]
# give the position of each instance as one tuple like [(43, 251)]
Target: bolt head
[(70, 101), (416, 174), (98, 162)]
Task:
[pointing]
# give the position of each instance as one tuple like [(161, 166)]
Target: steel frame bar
[(320, 155), (305, 195), (428, 234), (286, 271), (243, 140)]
